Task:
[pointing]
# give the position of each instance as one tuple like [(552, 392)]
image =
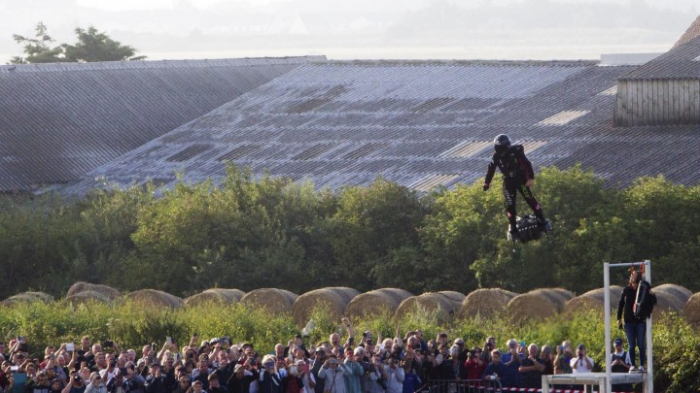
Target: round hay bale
[(154, 298), (87, 297), (374, 302), (27, 297), (104, 290), (397, 294), (537, 304), (427, 303), (593, 300), (679, 292), (485, 302), (275, 301), (691, 310), (347, 294), (666, 302), (215, 295), (455, 297), (331, 297)]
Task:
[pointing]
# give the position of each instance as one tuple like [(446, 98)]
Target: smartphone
[(169, 340), (22, 339), (70, 347), (306, 368)]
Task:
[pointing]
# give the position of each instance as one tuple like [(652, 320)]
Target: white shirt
[(580, 367)]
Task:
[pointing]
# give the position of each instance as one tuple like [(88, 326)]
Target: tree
[(92, 46), (38, 49)]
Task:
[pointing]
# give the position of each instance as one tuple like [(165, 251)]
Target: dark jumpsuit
[(516, 170)]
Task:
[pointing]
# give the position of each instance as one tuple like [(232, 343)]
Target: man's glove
[(486, 187)]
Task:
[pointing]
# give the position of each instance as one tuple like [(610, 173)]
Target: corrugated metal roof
[(419, 124), (678, 63), (59, 121)]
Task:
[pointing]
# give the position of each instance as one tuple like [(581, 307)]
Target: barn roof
[(681, 62), (60, 121), (420, 124)]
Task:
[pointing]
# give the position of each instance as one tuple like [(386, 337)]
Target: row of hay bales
[(344, 301)]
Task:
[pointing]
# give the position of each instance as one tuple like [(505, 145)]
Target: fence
[(461, 386)]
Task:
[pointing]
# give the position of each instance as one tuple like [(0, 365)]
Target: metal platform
[(590, 380)]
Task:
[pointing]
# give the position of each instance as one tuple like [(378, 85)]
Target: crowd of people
[(370, 364)]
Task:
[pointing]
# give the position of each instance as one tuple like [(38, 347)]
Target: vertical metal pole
[(649, 385), (606, 305)]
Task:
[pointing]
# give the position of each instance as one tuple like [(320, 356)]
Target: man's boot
[(514, 234)]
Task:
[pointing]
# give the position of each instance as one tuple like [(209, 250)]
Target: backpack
[(644, 301)]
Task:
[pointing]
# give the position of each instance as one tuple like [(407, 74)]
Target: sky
[(361, 29)]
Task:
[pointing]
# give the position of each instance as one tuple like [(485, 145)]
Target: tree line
[(250, 233)]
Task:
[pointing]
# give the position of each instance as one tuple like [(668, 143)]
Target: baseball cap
[(617, 341), (581, 346)]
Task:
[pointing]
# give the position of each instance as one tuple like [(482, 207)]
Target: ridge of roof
[(158, 64), (459, 62)]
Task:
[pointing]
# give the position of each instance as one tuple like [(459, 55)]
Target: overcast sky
[(361, 29)]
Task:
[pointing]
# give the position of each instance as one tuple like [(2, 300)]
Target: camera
[(108, 344), (472, 354)]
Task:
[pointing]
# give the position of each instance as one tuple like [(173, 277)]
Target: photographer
[(242, 377), (512, 360), (76, 384), (489, 346), (581, 363), (474, 365), (394, 376), (133, 381)]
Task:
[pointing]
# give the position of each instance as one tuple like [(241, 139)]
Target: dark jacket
[(242, 385), (156, 385), (513, 164), (270, 383), (626, 305)]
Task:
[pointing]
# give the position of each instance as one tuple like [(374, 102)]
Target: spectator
[(495, 370), (333, 373), (376, 376), (155, 382), (547, 360), (270, 380), (474, 365), (201, 373), (316, 364), (394, 376), (581, 363), (620, 363), (96, 384), (197, 387), (635, 328), (243, 377), (307, 378), (411, 382), (531, 369), (562, 362), (216, 387), (512, 360), (116, 384), (133, 382), (110, 369), (76, 384), (39, 384), (293, 382), (355, 372), (183, 385)]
